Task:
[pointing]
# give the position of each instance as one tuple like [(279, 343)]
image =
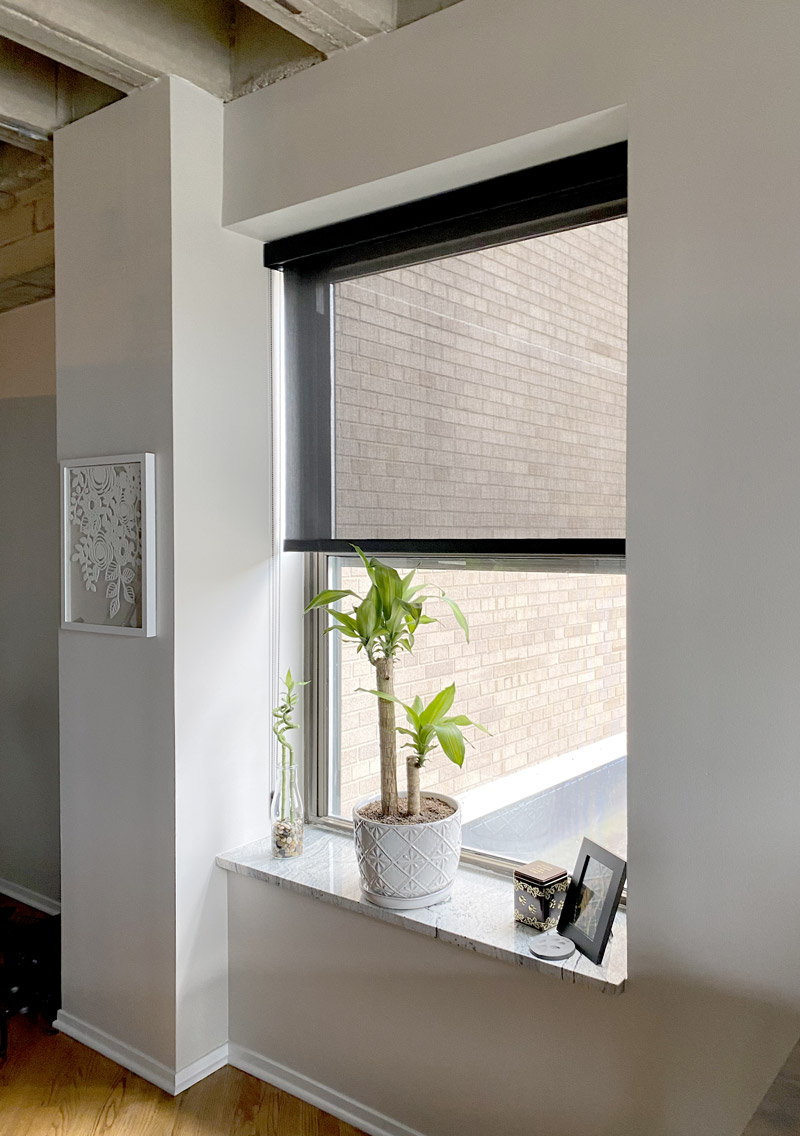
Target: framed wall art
[(108, 544), (592, 899)]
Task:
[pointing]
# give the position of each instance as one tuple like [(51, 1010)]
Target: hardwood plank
[(54, 1086)]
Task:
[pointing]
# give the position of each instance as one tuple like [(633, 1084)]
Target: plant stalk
[(412, 772), (384, 671)]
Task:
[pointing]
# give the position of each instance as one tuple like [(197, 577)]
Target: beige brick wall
[(485, 394), (26, 247), (544, 671)]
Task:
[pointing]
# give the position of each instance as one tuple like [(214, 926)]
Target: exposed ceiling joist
[(58, 43), (21, 135), (227, 47), (223, 46), (27, 97), (329, 25), (409, 11), (37, 96), (126, 44)]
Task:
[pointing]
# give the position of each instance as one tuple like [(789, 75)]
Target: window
[(456, 399)]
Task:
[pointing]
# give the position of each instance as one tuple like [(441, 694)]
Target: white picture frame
[(82, 534)]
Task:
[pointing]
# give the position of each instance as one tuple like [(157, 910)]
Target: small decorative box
[(539, 893)]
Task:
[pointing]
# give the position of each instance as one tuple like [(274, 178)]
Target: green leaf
[(458, 613), (367, 615), (344, 619), (413, 718), (368, 562), (452, 741), (439, 705), (387, 581), (406, 583), (417, 704), (331, 595), (413, 610), (395, 619), (463, 720), (385, 695), (426, 737)]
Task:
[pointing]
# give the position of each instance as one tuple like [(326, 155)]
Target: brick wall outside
[(485, 396), (26, 247), (544, 671)]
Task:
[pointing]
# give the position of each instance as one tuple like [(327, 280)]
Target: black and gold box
[(539, 893)]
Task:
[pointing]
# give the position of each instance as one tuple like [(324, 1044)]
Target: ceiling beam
[(25, 137), (328, 25), (263, 52), (125, 44), (409, 11), (27, 96), (37, 96), (25, 28)]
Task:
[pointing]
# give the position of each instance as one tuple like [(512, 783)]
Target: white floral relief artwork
[(105, 517)]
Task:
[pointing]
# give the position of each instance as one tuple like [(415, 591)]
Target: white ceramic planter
[(404, 866)]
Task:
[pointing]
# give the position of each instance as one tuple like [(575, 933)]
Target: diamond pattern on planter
[(407, 861)]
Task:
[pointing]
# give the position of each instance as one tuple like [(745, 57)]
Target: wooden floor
[(54, 1086), (51, 1085)]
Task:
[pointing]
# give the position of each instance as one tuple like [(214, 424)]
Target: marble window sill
[(478, 917)]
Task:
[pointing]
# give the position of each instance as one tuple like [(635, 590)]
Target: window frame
[(565, 194), (322, 693)]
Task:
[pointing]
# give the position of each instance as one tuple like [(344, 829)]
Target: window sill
[(478, 917)]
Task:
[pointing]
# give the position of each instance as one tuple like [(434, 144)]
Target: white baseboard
[(32, 898), (306, 1088), (329, 1100), (200, 1069), (169, 1080)]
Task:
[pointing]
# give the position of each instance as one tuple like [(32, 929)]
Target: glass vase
[(286, 815)]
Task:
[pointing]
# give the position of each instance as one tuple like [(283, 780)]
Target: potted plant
[(286, 812), (407, 846)]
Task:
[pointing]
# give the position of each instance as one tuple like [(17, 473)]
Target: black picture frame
[(588, 924)]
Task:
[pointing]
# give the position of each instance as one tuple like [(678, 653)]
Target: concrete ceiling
[(227, 47), (63, 59)]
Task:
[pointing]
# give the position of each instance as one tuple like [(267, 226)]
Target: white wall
[(222, 543), (161, 346), (713, 1005), (114, 358), (29, 602)]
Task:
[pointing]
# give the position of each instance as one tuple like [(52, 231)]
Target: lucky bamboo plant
[(287, 807), (383, 623)]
